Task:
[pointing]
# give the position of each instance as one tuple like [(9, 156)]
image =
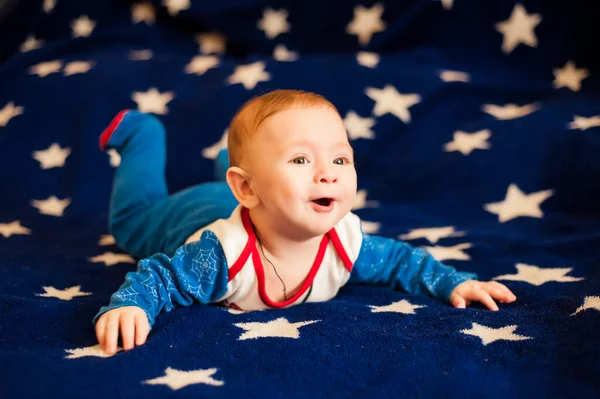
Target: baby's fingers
[(100, 326), (127, 330), (111, 334), (142, 328), (482, 296)]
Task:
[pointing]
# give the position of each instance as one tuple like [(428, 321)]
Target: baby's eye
[(341, 161), (300, 160)]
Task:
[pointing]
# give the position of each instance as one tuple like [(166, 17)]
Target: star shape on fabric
[(54, 156), (8, 229), (467, 142), (583, 123), (589, 302), (212, 151), (280, 328), (447, 4), (201, 63), (44, 69), (152, 101), (107, 239), (114, 157), (75, 67), (140, 55), (509, 111), (249, 75), (211, 43), (489, 334), (66, 295), (8, 112), (274, 22), (82, 26), (282, 54), (51, 206), (389, 100), (518, 28), (359, 127), (569, 76), (516, 204), (143, 12), (455, 252), (402, 306), (177, 379), (49, 5), (31, 43), (366, 22), (454, 76), (537, 276), (367, 59), (94, 350), (360, 201), (111, 258), (432, 234), (370, 227), (174, 7)]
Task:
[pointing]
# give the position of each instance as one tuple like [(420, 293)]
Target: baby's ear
[(239, 183)]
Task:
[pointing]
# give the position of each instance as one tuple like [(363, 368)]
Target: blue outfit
[(196, 244)]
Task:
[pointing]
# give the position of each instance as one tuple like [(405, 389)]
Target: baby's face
[(302, 169)]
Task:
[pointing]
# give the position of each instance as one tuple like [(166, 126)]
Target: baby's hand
[(473, 290), (130, 320)]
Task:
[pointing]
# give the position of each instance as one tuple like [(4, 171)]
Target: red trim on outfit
[(108, 132), (335, 239)]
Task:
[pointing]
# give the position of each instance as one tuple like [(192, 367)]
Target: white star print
[(590, 302), (211, 43), (370, 227), (518, 28), (569, 76), (516, 204), (111, 258), (583, 123), (53, 157), (51, 206), (140, 55), (212, 151), (8, 112), (94, 350), (367, 59), (445, 253), (358, 127), (273, 22), (66, 295), (280, 327), (467, 142), (366, 22), (176, 6), (49, 5), (201, 63), (389, 100), (76, 67), (31, 43), (402, 306), (537, 276), (8, 229), (281, 53), (249, 75), (143, 12), (115, 158), (509, 111), (454, 76), (360, 201), (153, 101), (82, 26), (44, 69), (432, 234), (489, 334), (177, 379), (447, 4), (106, 239)]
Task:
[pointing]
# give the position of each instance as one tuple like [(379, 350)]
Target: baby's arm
[(197, 272)]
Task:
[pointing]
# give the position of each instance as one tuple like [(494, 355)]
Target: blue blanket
[(476, 126)]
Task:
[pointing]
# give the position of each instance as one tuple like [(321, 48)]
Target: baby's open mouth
[(323, 201)]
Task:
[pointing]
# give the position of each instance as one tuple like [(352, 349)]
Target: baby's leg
[(144, 218)]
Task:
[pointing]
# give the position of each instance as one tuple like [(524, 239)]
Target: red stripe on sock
[(114, 124)]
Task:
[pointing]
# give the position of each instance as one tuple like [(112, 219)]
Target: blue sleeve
[(390, 262), (197, 272)]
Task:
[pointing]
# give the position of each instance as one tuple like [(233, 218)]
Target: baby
[(283, 196)]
